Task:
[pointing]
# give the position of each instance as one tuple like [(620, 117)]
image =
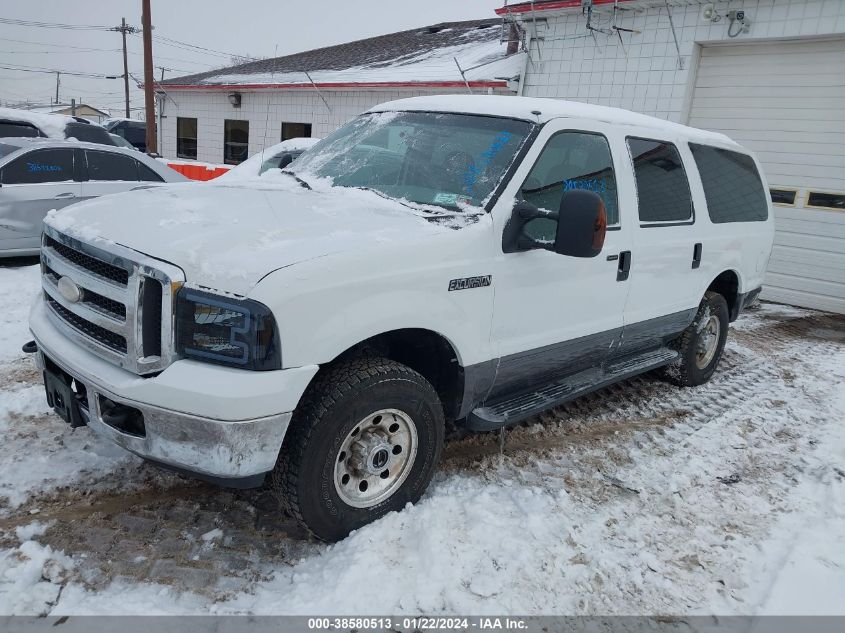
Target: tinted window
[(147, 174), (110, 166), (10, 128), (732, 186), (135, 133), (43, 165), (88, 132), (235, 141), (570, 160), (186, 137), (662, 189)]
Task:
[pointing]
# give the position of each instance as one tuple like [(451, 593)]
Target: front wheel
[(701, 344), (364, 441)]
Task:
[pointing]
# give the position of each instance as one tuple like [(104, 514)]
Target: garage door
[(786, 101)]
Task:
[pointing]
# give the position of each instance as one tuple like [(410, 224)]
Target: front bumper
[(190, 410)]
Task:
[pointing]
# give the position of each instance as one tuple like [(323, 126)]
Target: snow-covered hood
[(228, 237)]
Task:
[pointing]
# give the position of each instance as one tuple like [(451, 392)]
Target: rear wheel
[(364, 441), (701, 344)]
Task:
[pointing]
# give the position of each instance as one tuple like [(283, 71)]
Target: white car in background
[(40, 174), (277, 156)]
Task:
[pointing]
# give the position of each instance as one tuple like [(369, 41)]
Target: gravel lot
[(641, 498)]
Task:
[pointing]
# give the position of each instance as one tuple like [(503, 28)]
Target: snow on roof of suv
[(541, 110)]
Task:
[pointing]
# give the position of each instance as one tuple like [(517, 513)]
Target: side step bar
[(514, 409)]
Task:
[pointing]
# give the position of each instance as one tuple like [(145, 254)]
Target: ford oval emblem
[(69, 290)]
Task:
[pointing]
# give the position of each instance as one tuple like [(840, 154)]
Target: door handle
[(624, 268), (67, 194), (696, 255)]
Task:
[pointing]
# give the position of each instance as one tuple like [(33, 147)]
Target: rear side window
[(110, 166), (572, 160), (663, 191), (732, 185), (147, 174), (42, 165)]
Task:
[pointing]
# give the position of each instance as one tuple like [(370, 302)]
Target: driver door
[(556, 315)]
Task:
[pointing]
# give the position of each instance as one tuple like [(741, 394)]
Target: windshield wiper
[(411, 204), (301, 182)]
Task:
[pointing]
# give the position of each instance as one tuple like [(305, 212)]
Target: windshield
[(447, 160)]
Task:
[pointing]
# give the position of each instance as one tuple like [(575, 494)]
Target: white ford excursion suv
[(460, 259)]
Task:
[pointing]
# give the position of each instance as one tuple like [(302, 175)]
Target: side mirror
[(581, 226)]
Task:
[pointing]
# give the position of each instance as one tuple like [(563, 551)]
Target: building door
[(784, 100)]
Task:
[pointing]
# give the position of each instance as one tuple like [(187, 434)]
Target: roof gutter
[(347, 85), (536, 7)]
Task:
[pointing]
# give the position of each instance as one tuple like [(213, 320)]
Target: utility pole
[(125, 66), (58, 81), (149, 87), (123, 29)]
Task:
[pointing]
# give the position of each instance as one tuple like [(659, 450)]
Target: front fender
[(325, 306)]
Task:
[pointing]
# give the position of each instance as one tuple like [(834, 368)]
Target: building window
[(663, 192), (295, 130), (785, 197), (186, 138), (235, 141), (826, 200)]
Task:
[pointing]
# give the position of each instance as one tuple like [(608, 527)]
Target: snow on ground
[(642, 498)]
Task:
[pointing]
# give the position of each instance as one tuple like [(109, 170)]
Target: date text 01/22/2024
[(419, 623)]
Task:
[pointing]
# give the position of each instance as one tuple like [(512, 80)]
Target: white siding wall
[(644, 75), (266, 110), (783, 99)]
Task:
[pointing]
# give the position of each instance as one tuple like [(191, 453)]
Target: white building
[(225, 115), (773, 80)]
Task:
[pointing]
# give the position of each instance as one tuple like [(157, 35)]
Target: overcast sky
[(256, 28)]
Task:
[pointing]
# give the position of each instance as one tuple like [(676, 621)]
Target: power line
[(85, 49), (53, 25), (71, 73), (82, 48), (168, 41)]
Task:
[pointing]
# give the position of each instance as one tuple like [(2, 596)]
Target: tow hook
[(30, 348)]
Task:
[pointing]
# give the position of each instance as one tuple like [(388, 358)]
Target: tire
[(389, 404), (699, 356)]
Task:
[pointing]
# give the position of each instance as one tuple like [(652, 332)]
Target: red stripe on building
[(392, 84), (528, 7)]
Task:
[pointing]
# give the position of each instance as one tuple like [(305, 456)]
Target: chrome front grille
[(125, 305)]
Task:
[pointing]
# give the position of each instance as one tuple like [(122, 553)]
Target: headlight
[(216, 329)]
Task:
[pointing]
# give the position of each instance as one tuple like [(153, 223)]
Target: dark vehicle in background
[(133, 131), (20, 123)]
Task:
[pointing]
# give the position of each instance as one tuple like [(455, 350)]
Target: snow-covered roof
[(418, 57), (53, 125), (542, 110)]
